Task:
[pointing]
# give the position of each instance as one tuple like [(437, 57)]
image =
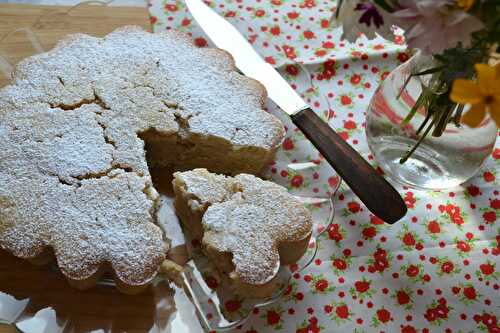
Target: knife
[(371, 188)]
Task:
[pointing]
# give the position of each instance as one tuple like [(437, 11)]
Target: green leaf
[(429, 71), (384, 5)]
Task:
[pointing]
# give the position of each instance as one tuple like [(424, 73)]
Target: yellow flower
[(465, 4), (483, 95)]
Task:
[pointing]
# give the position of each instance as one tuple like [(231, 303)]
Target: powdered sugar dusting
[(73, 172), (254, 217), (206, 187)]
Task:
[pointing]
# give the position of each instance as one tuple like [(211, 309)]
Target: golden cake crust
[(74, 125)]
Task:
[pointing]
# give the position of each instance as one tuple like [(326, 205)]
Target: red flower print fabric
[(438, 269)]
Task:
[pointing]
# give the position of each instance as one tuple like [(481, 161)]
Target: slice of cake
[(248, 226), (81, 125)]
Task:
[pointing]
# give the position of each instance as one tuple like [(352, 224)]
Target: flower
[(342, 311), (362, 286), (273, 318), (370, 13), (288, 144), (463, 246), (408, 239), (470, 292), (412, 271), (433, 227), (353, 207), (297, 180), (403, 297), (200, 42), (465, 4), (408, 329), (381, 264), (369, 232), (433, 26), (447, 267), (340, 264), (363, 17), (380, 254), (483, 95), (321, 285), (383, 315), (487, 269)]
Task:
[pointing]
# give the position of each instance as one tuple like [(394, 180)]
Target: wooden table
[(43, 286), (88, 310), (51, 23)]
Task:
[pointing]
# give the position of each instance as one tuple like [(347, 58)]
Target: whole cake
[(248, 226), (79, 126)]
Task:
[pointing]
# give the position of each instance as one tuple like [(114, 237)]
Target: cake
[(82, 125), (248, 226)]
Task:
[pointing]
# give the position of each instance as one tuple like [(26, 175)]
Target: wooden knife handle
[(374, 191)]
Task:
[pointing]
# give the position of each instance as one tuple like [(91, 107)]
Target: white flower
[(363, 17)]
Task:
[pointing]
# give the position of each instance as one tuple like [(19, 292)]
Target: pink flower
[(433, 26)]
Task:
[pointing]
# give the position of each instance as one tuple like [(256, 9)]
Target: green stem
[(418, 103), (426, 72), (429, 71), (426, 120), (444, 117), (404, 85), (427, 130)]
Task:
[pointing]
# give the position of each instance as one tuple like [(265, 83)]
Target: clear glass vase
[(439, 162)]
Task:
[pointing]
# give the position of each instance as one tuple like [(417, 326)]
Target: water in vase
[(439, 162)]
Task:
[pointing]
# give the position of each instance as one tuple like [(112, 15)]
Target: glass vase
[(439, 162)]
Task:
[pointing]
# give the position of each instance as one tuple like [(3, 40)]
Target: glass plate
[(43, 308), (38, 299), (217, 307)]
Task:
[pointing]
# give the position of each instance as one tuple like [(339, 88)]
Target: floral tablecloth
[(435, 271)]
